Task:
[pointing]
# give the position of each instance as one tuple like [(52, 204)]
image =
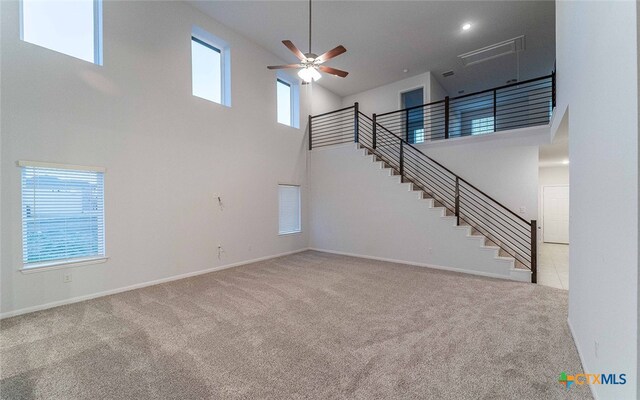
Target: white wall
[(358, 208), (168, 154), (387, 97), (436, 91), (504, 169), (600, 39)]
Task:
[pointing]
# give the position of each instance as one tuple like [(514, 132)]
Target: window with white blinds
[(289, 200), (62, 214)]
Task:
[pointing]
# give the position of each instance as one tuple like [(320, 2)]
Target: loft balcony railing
[(518, 105), (392, 137)]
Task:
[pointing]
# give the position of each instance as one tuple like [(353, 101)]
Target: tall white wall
[(504, 170), (600, 39), (436, 91), (358, 208), (388, 97), (168, 154)]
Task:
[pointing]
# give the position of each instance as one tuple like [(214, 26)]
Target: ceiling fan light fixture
[(309, 73)]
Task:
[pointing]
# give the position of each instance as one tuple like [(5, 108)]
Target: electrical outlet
[(596, 348), (67, 277), (523, 210), (430, 250)]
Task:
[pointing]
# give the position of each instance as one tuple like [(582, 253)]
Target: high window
[(285, 105), (210, 68), (70, 27), (62, 214), (288, 101)]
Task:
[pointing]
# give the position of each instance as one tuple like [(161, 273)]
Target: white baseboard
[(78, 299), (417, 264), (584, 366)]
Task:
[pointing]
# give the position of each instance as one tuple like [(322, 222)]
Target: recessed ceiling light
[(565, 162), (405, 70), (466, 26)]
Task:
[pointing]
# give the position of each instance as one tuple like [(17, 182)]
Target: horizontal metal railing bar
[(334, 138), (348, 120), (490, 223), (539, 84), (413, 120), (460, 178), (498, 237), (509, 97), (333, 144), (517, 222), (499, 229), (436, 195), (518, 114), (433, 187), (464, 96), (538, 87), (334, 131), (329, 137), (446, 181), (337, 139), (499, 243), (517, 255), (332, 112), (522, 104), (365, 116)]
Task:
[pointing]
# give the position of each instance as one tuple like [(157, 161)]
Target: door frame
[(403, 91), (542, 208)]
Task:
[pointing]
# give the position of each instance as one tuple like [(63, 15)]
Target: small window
[(73, 28), (210, 67), (207, 71), (285, 104), (288, 101), (481, 125), (289, 201), (62, 214)]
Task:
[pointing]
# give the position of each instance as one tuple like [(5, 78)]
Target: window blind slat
[(62, 214)]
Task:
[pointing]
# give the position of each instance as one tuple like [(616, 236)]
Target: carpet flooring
[(309, 325)]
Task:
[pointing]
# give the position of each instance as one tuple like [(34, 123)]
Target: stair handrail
[(405, 143)]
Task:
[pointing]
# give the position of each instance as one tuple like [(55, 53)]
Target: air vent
[(447, 74), (510, 46)]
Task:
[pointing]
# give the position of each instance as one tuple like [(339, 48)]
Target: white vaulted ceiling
[(384, 38)]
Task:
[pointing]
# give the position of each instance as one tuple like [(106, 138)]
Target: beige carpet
[(310, 325)]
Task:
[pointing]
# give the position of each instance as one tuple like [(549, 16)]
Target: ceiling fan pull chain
[(309, 26)]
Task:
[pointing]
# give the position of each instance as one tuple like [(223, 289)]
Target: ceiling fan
[(310, 63)]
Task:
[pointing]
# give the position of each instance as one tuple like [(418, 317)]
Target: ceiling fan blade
[(333, 71), (284, 66), (294, 49), (331, 53)]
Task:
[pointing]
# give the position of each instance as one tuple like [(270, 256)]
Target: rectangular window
[(285, 104), (481, 125), (73, 28), (62, 214), (289, 203), (206, 67)]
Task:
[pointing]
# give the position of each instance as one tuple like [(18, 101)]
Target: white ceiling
[(385, 37)]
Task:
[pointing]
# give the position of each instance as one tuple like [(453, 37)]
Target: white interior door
[(555, 214)]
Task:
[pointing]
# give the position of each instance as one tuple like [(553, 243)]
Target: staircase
[(494, 227)]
